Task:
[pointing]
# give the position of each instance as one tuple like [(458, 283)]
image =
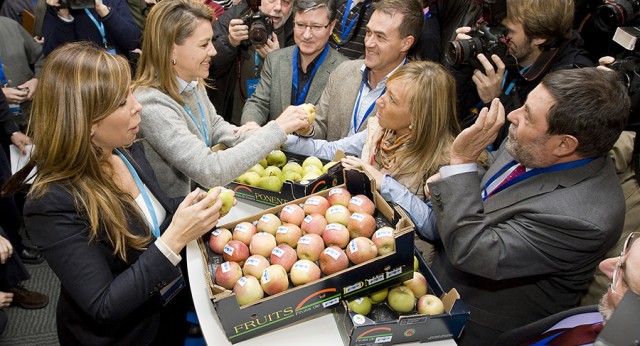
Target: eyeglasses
[(315, 29), (617, 273)]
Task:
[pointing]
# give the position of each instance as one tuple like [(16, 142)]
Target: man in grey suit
[(353, 87), (519, 247), (297, 74)]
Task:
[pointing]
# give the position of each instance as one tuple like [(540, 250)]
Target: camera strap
[(541, 65), (300, 98), (99, 26), (513, 82)]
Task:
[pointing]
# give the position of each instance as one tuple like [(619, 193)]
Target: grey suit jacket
[(273, 93), (528, 251), (335, 109)]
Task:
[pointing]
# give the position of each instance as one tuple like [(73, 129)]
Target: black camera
[(77, 4), (488, 37), (615, 13), (260, 25)]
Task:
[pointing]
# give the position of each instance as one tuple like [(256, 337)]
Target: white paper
[(19, 160)]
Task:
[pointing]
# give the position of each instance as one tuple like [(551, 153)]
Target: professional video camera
[(614, 13), (77, 4), (488, 37), (260, 25)]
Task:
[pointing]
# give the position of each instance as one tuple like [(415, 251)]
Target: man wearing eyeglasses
[(522, 240), (297, 74)]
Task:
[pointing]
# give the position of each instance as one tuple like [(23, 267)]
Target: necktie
[(514, 174), (578, 335)]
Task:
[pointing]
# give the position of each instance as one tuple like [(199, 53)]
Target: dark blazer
[(103, 300), (530, 250)]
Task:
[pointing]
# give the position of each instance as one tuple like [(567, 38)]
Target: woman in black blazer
[(95, 209)]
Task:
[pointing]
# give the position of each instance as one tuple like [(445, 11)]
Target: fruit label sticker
[(216, 232), (353, 246), (282, 229), (358, 217), (228, 250), (302, 266), (332, 252), (358, 319), (384, 232), (308, 218), (289, 209), (265, 276), (277, 251), (312, 201), (333, 226), (250, 261), (241, 228), (304, 240), (336, 209), (359, 300), (242, 281), (265, 218), (357, 201), (225, 267), (334, 191)]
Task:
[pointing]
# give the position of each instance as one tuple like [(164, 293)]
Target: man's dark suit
[(104, 300), (529, 250)]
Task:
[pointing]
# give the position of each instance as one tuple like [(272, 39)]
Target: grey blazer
[(273, 93), (528, 251)]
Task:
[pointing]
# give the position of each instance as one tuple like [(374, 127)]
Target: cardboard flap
[(357, 180)]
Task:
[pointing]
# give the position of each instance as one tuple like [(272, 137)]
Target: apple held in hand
[(236, 251), (284, 255), (332, 260), (418, 284), (274, 279), (227, 274), (219, 238), (288, 234), (276, 158), (227, 197), (361, 204), (401, 299), (268, 223), (303, 272), (361, 249), (336, 234), (311, 111), (316, 205), (360, 306), (254, 265), (262, 243), (385, 240), (244, 231), (292, 213), (338, 214), (339, 196), (248, 290), (361, 225), (429, 304), (314, 223), (309, 247)]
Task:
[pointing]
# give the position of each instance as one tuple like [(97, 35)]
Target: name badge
[(168, 292), (252, 84), (111, 50)]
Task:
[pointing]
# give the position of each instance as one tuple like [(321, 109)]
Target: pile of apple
[(321, 237), (274, 170), (409, 297)]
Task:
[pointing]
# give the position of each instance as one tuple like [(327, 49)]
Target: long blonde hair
[(168, 23), (432, 105), (80, 85)]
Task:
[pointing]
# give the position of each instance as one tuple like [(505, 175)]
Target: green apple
[(312, 161), (251, 178), (401, 299), (257, 168), (290, 175), (313, 169), (276, 158), (380, 296), (292, 166), (311, 176), (416, 264), (361, 305), (227, 198), (264, 163), (271, 183), (272, 170), (326, 167)]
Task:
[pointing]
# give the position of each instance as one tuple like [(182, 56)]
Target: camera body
[(488, 37), (615, 13), (260, 25), (77, 4)]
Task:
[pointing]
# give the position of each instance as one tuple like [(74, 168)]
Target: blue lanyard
[(303, 94), (100, 27), (155, 229), (513, 82), (203, 129), (356, 126), (256, 63), (529, 174), (3, 79), (348, 27)]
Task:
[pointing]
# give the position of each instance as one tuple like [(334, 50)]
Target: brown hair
[(547, 19), (411, 11)]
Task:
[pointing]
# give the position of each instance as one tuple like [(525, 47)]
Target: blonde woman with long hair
[(407, 142), (95, 209)]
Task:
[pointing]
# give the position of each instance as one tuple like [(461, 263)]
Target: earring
[(173, 61), (91, 133), (410, 127)]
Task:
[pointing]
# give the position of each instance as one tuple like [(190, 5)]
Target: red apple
[(236, 251), (309, 247), (339, 196), (284, 255), (274, 279), (268, 223), (227, 274), (336, 234), (248, 290), (262, 243), (292, 213), (418, 284), (316, 205), (361, 249), (429, 304), (338, 214), (303, 272), (361, 225), (254, 265), (219, 238), (288, 234), (244, 231), (385, 240), (314, 223), (332, 260), (361, 204)]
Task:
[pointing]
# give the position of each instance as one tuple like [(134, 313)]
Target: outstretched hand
[(473, 140)]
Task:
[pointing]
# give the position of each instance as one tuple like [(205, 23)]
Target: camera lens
[(614, 14), (258, 34), (460, 52)]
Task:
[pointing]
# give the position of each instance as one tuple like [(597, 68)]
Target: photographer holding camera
[(539, 40), (243, 36)]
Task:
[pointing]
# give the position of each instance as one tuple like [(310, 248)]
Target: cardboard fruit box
[(290, 190), (359, 330), (297, 303)]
